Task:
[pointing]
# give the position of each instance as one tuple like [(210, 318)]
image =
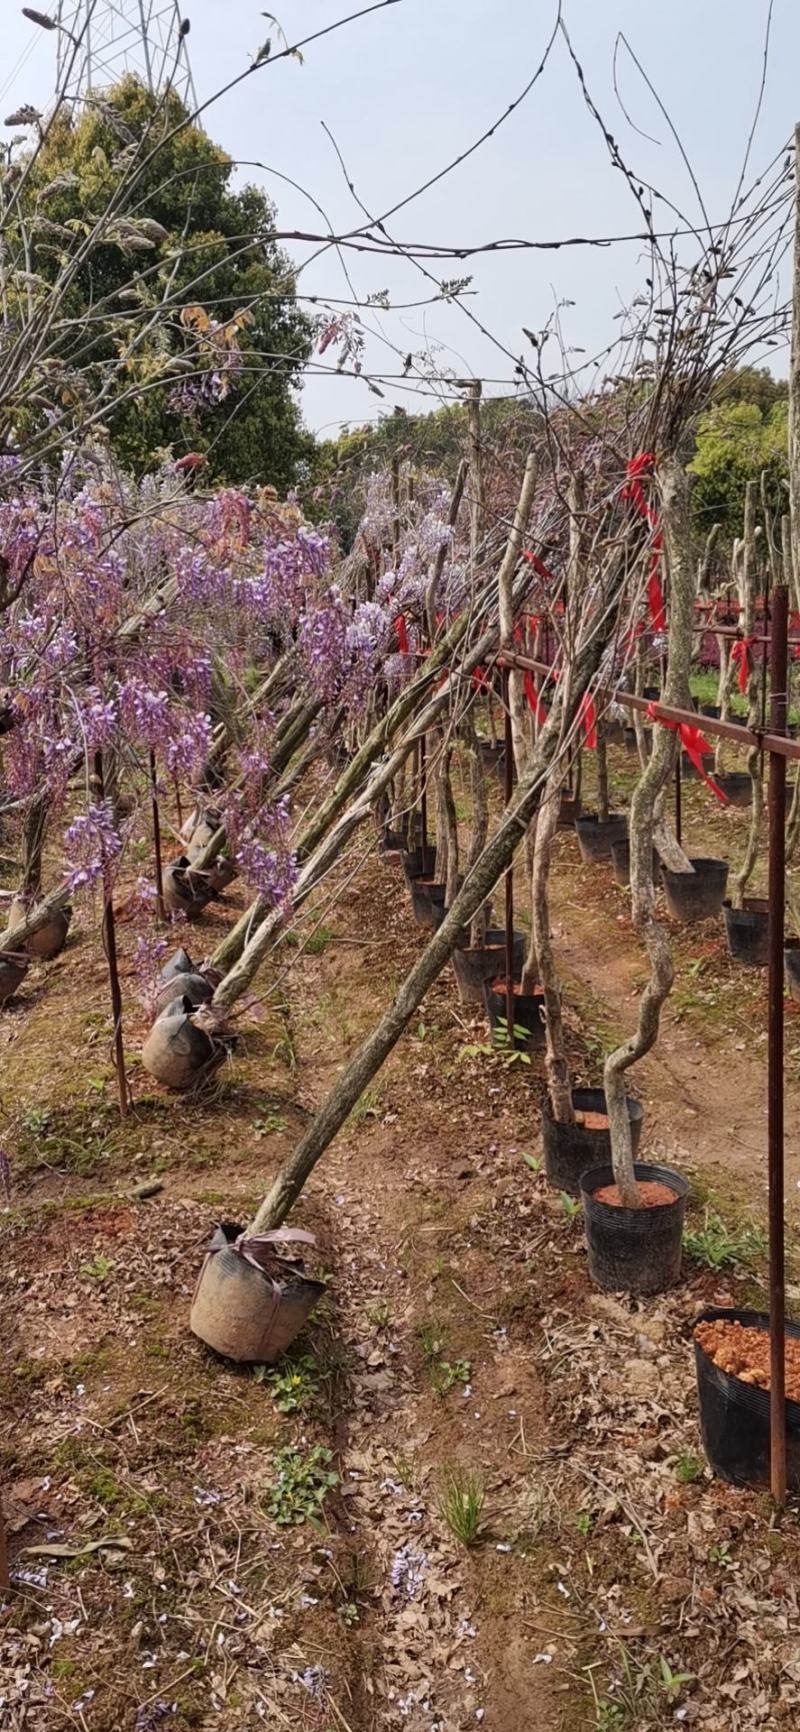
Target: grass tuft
[(461, 1503)]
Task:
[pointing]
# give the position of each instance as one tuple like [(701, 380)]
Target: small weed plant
[(300, 1486), (444, 1373), (270, 1123), (318, 941), (293, 1386), (99, 1268), (500, 1046), (640, 1692), (430, 1339), (715, 1246), (461, 1503)]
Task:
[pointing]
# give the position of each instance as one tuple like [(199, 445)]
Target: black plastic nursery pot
[(528, 1015), (621, 861), (734, 1416), (392, 844), (208, 823), (473, 966), (569, 809), (699, 894), (791, 963), (746, 930), (221, 874), (415, 866), (427, 901), (186, 892), (571, 1149), (179, 962), (737, 785), (14, 965), (689, 771), (245, 1312), (195, 987), (631, 744), (710, 710), (595, 835), (178, 1053), (634, 1250), (50, 939)]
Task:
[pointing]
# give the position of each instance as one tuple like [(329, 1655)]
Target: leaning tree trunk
[(704, 569), (516, 696), (727, 666), (480, 816), (603, 807), (754, 760), (559, 1083), (451, 827), (540, 965), (376, 743), (260, 924), (674, 490), (33, 835), (494, 860)]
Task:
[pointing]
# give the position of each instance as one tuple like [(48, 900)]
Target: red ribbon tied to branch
[(741, 653), (587, 714), (694, 744), (402, 633), (534, 700), (538, 565), (634, 491)]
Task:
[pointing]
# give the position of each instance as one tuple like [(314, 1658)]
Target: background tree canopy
[(216, 251), (744, 434)]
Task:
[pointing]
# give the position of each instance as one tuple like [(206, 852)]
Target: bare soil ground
[(166, 1574)]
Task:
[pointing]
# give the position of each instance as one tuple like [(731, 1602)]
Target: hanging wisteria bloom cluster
[(143, 618)]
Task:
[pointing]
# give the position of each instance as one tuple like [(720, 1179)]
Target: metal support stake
[(160, 909), (775, 1130), (110, 948), (508, 789), (423, 802)]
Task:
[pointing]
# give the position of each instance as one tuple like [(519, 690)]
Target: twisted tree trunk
[(749, 592), (559, 1082), (492, 863), (674, 491)]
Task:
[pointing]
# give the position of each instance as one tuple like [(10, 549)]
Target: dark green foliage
[(217, 252), (736, 442), (435, 442)]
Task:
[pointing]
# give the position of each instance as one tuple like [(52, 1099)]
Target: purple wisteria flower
[(92, 844), (409, 1568)]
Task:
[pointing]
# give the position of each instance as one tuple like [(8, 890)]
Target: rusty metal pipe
[(775, 1127), (743, 736), (508, 789)]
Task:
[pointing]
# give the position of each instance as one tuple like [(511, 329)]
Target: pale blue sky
[(405, 90)]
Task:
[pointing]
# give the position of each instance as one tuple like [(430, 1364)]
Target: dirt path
[(461, 1346), (704, 1084)]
